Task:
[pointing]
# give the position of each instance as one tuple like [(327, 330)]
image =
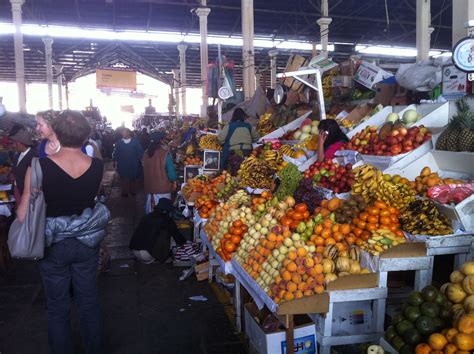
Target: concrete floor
[(146, 308)]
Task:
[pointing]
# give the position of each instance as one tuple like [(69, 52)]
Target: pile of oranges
[(295, 215), (378, 216), (195, 161), (301, 275), (330, 233), (231, 240), (205, 206)]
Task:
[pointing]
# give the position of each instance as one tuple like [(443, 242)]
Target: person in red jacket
[(331, 139)]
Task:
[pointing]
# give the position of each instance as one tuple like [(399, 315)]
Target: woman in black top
[(71, 181)]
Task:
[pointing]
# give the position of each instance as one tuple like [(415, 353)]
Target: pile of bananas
[(4, 196), (265, 124), (422, 217), (381, 241), (190, 149), (256, 173), (272, 157), (209, 142), (288, 151), (371, 185)]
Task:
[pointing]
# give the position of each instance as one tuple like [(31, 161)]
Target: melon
[(392, 117), (410, 116)]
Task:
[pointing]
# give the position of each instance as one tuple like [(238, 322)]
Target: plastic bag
[(451, 193), (422, 76)]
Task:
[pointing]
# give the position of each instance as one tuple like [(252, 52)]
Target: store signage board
[(369, 74), (124, 79)]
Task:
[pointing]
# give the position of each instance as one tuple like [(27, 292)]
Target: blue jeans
[(65, 262)]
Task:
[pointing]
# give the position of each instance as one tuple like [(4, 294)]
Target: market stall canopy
[(354, 22)]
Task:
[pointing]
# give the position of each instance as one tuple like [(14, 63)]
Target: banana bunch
[(265, 124), (381, 241), (290, 152), (272, 157), (4, 196), (422, 217), (371, 185), (190, 149), (239, 198), (256, 173), (209, 142), (346, 123)]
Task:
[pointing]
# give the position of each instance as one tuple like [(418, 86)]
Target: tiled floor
[(146, 308)]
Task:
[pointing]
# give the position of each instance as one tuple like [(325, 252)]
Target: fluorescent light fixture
[(391, 51), (148, 36), (469, 23)]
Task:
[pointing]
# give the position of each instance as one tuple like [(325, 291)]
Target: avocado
[(404, 326), (425, 325), (429, 293), (429, 309), (397, 343), (390, 333), (412, 313), (415, 298), (412, 337)]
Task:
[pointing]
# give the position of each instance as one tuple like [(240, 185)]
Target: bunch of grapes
[(305, 193)]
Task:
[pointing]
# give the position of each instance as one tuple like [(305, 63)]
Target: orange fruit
[(450, 349), (345, 229), (318, 268), (289, 296), (298, 294), (318, 229), (291, 286), (330, 241), (286, 275), (301, 252), (292, 255), (437, 341), (296, 278), (363, 216), (423, 348), (291, 267), (327, 223), (335, 228)]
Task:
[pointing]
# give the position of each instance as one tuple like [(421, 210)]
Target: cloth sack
[(26, 239)]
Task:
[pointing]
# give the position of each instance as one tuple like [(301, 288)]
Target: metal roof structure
[(390, 22)]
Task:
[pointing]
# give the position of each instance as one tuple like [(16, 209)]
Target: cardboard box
[(273, 343), (369, 74), (359, 113), (341, 81), (455, 82), (384, 93), (294, 63), (202, 271), (349, 318)]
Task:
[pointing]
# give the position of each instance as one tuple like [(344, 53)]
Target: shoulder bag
[(26, 239)]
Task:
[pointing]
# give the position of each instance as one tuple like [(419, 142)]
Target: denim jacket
[(88, 228)]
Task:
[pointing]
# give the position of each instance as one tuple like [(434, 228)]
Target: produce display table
[(214, 258), (459, 245)]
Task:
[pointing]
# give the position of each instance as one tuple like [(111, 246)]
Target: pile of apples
[(400, 140), (330, 175)]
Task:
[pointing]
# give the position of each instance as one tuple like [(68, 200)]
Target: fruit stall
[(320, 238)]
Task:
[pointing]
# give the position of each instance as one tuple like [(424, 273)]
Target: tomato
[(385, 220), (227, 236), (393, 211), (363, 216), (285, 221), (297, 216), (373, 210), (245, 228), (371, 227), (380, 204), (229, 246), (238, 231), (355, 221), (357, 231), (365, 235), (384, 212), (361, 224), (306, 214), (372, 219), (237, 223), (294, 225), (301, 207), (232, 230), (394, 219), (236, 239)]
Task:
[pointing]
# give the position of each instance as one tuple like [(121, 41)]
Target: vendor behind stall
[(331, 139), (23, 144), (237, 135)]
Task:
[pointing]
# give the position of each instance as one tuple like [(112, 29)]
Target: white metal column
[(203, 12), (19, 59), (59, 81), (248, 59), (463, 11), (273, 67), (324, 23), (48, 52), (176, 89), (182, 68), (423, 34)]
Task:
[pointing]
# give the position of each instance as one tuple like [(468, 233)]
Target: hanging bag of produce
[(26, 239)]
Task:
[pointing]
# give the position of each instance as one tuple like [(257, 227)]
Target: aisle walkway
[(146, 308)]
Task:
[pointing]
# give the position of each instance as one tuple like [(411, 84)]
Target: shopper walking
[(49, 144), (158, 171), (127, 155), (75, 226), (237, 135)]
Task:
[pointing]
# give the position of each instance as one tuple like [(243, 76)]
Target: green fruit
[(397, 343), (413, 337), (430, 309), (404, 326), (412, 313), (441, 299), (445, 313), (439, 324), (425, 325), (390, 333), (415, 298), (429, 293), (407, 349), (397, 318)]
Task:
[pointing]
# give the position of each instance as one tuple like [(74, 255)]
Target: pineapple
[(459, 134)]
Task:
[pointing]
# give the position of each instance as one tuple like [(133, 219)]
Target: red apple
[(419, 138), (395, 149), (407, 143), (395, 132)]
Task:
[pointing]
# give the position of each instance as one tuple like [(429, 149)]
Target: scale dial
[(463, 54)]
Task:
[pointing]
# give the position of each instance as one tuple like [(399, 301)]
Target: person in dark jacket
[(151, 240), (23, 144)]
